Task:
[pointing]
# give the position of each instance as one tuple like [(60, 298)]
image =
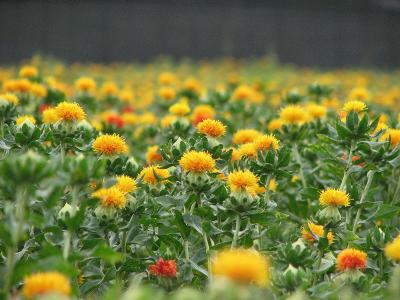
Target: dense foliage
[(212, 180)]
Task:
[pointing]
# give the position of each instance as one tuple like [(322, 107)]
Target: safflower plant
[(173, 181)]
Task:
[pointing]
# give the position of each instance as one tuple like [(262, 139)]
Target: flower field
[(225, 179)]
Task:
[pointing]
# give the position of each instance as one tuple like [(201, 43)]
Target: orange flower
[(163, 268), (351, 259)]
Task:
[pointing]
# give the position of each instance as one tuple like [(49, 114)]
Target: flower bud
[(67, 211), (330, 213), (105, 213)]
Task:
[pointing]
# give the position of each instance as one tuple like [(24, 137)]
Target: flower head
[(201, 113), (179, 109), (40, 284), (125, 184), (392, 135), (28, 72), (108, 144), (153, 174), (359, 93), (153, 155), (25, 119), (266, 142), (247, 150), (243, 181), (211, 128), (242, 265), (392, 250), (163, 268), (85, 84), (316, 111), (197, 162), (334, 197), (294, 114), (275, 124), (244, 136), (111, 197), (70, 112), (308, 233), (50, 116), (351, 259), (354, 105), (10, 98), (166, 78), (167, 93)]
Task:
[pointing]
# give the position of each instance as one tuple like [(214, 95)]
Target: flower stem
[(299, 161), (67, 243), (348, 165), (396, 192), (236, 232), (16, 234), (370, 177)]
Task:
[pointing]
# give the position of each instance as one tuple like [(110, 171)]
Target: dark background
[(327, 33)]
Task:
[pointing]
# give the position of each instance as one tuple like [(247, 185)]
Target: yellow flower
[(244, 136), (355, 105), (243, 181), (247, 150), (266, 142), (70, 111), (28, 72), (294, 114), (50, 116), (272, 185), (147, 118), (126, 96), (10, 98), (38, 90), (192, 85), (243, 266), (108, 144), (197, 162), (129, 118), (308, 233), (211, 128), (25, 119), (201, 113), (167, 121), (179, 109), (242, 92), (111, 197), (153, 174), (359, 93), (85, 84), (125, 184), (40, 284), (334, 197), (316, 111), (109, 88), (166, 78), (392, 250), (275, 124), (167, 93), (153, 155), (381, 126), (393, 135)]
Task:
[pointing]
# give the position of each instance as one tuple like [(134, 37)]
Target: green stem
[(396, 194), (67, 243), (16, 234), (236, 232), (300, 162), (186, 246), (370, 177), (348, 167)]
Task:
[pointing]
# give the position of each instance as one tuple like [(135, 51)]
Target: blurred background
[(325, 33)]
